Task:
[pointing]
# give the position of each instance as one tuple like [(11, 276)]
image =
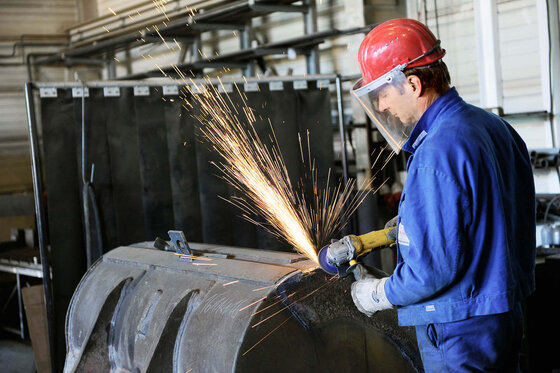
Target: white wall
[(24, 17), (523, 49)]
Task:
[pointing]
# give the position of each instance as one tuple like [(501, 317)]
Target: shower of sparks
[(249, 167), (259, 172)]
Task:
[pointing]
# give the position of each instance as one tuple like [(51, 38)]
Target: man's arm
[(431, 237)]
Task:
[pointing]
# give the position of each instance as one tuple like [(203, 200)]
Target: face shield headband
[(381, 99)]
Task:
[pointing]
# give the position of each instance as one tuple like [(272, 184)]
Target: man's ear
[(415, 84)]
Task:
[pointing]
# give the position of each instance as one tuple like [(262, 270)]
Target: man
[(466, 226)]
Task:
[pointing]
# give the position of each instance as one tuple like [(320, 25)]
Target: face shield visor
[(384, 102)]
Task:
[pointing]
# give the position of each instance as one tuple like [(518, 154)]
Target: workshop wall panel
[(21, 17), (455, 27), (520, 49), (520, 54)]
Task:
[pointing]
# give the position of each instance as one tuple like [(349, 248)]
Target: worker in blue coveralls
[(466, 224)]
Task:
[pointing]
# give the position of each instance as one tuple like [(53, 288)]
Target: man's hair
[(434, 76)]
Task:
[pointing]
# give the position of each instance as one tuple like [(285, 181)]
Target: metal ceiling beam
[(214, 26), (265, 8), (240, 59), (238, 11)]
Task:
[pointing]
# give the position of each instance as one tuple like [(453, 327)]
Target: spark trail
[(259, 172)]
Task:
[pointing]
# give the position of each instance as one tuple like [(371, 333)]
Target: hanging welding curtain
[(152, 173)]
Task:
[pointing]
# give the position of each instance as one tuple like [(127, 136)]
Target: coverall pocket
[(432, 335)]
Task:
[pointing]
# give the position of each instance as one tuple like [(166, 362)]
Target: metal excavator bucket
[(225, 309)]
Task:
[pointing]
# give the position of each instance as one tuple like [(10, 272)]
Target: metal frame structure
[(21, 269), (186, 27), (36, 170), (245, 57)]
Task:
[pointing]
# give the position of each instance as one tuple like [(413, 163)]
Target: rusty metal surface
[(143, 310)]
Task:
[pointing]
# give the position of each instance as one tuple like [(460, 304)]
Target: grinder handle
[(373, 240)]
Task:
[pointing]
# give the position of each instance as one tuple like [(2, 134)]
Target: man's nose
[(382, 104)]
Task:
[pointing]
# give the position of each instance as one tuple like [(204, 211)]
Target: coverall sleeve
[(431, 237)]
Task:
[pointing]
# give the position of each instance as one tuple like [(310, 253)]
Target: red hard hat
[(397, 42)]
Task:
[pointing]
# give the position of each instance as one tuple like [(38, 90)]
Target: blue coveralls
[(466, 238)]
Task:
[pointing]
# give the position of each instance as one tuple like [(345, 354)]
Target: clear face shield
[(386, 105)]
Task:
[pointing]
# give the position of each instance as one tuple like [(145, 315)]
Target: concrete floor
[(16, 357)]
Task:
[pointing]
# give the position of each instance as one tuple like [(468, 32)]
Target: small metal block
[(111, 91), (77, 92), (142, 90), (323, 84), (180, 243), (276, 86), (47, 92), (300, 84), (170, 90), (251, 87)]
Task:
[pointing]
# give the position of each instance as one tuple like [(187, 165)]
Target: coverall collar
[(424, 124)]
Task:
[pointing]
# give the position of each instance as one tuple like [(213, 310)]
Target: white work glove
[(341, 251), (368, 292), (392, 224)]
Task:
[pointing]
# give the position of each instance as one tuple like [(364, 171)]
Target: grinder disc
[(330, 269)]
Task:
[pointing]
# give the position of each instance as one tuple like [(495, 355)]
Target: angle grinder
[(346, 251)]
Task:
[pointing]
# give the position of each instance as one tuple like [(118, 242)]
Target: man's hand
[(341, 251), (368, 292), (392, 224)]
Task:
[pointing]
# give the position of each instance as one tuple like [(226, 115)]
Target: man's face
[(399, 102)]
